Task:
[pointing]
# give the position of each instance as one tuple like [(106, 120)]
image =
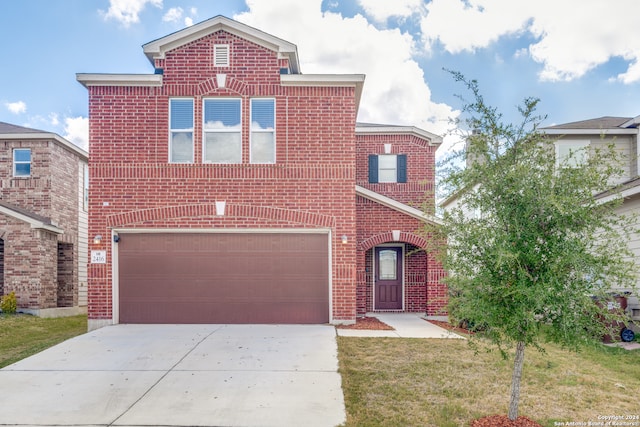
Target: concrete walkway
[(406, 325), (180, 375)]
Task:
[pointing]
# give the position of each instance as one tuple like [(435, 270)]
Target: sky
[(580, 57)]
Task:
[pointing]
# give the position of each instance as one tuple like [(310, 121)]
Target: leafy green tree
[(528, 245)]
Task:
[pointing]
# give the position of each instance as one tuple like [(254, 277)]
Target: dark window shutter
[(373, 168), (402, 168)]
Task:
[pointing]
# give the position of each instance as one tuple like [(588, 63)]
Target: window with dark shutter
[(388, 168), (402, 168), (373, 168)]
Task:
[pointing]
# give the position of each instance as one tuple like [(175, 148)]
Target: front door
[(388, 278)]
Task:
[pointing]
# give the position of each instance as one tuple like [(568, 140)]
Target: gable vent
[(221, 55)]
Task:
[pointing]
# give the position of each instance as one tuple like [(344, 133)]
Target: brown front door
[(388, 278)]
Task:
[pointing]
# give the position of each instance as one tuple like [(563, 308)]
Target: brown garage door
[(223, 278)]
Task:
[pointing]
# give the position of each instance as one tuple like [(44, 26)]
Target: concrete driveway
[(180, 375)]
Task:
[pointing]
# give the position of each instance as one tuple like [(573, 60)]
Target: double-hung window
[(222, 131), (263, 134), (388, 168), (22, 162), (181, 130)]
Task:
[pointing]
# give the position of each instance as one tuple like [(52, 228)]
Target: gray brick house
[(43, 221)]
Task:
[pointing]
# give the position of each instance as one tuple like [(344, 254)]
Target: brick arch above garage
[(232, 212), (387, 237)]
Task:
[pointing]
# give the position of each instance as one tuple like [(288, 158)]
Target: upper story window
[(572, 154), (221, 55), (222, 141), (388, 168), (22, 162), (263, 134), (181, 130)]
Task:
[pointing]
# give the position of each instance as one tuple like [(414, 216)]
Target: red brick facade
[(423, 288), (311, 185), (40, 226)]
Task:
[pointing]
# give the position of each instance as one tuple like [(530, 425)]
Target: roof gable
[(158, 48)]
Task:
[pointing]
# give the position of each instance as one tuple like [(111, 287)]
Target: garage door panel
[(224, 278)]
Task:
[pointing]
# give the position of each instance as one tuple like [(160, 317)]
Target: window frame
[(394, 169), (21, 162), (181, 130), (223, 130), (572, 146), (253, 131)]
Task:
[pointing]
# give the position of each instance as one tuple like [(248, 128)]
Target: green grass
[(422, 382), (23, 335)]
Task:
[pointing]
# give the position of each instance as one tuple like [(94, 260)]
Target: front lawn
[(23, 335), (439, 382)]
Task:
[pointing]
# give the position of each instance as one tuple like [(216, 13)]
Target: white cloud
[(572, 36), (395, 91), (381, 10), (17, 107), (188, 21), (467, 25), (173, 15), (76, 130), (128, 12)]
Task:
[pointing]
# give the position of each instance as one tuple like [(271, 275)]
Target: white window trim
[(251, 132), (171, 130), (395, 156), (205, 131), (221, 48), (573, 145), (22, 162)]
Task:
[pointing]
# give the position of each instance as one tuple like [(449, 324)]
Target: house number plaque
[(98, 257)]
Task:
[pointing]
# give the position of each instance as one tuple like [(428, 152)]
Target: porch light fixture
[(345, 239), (97, 239)]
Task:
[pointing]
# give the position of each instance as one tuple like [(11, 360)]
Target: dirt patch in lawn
[(367, 323)]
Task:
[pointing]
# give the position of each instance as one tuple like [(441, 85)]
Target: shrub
[(9, 303)]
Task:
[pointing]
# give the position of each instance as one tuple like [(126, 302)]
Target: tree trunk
[(515, 381)]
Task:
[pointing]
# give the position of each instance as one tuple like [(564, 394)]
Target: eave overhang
[(47, 136), (608, 131), (398, 206), (144, 80), (326, 80), (433, 139), (36, 224)]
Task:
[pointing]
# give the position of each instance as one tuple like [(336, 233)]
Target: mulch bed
[(450, 327), (504, 421), (367, 323)]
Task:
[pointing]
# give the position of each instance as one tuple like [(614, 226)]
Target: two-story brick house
[(228, 187), (43, 221)]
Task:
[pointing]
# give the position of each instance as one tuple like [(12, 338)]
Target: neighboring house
[(589, 134), (623, 132), (227, 187), (43, 221)]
